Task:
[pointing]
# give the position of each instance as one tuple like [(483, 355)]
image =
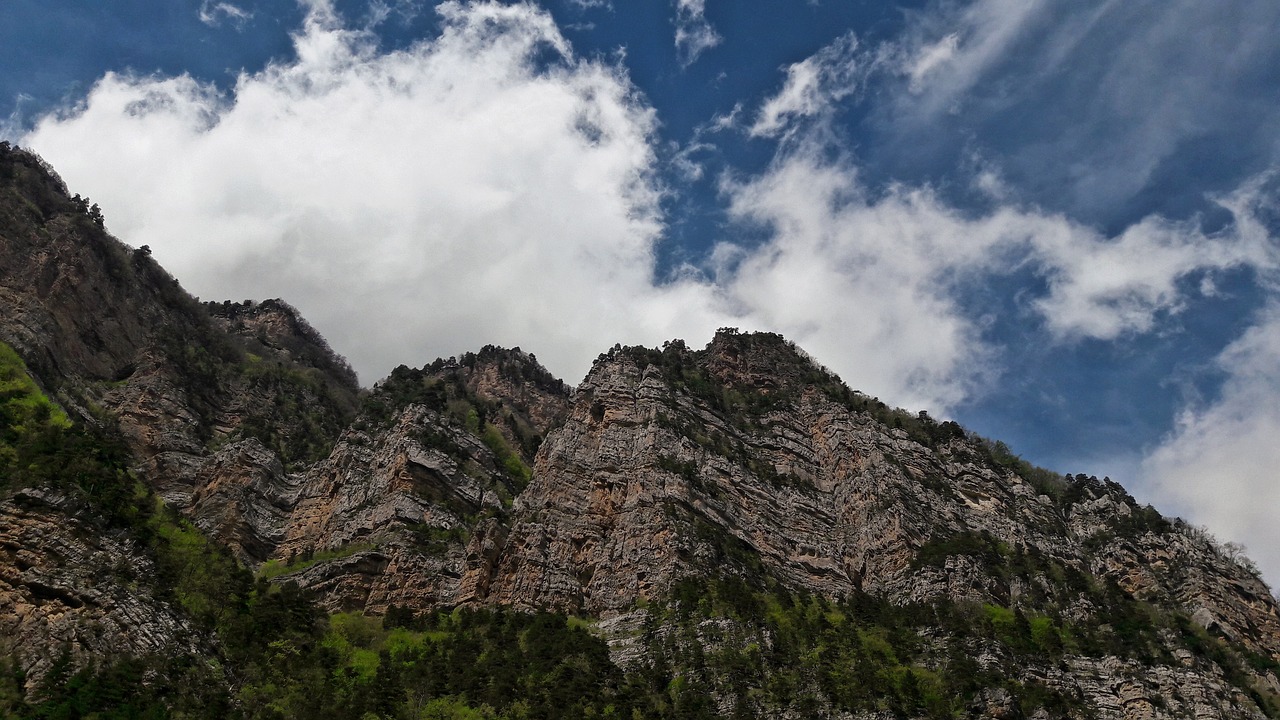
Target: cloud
[(485, 186), (892, 261), (941, 64), (380, 11), (213, 13), (488, 186), (1107, 110), (1103, 288), (694, 35), (865, 285), (931, 58), (874, 278), (812, 88), (1218, 467)]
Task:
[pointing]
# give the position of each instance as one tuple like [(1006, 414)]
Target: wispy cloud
[(813, 87), (380, 11), (694, 35), (1090, 107), (903, 247), (214, 13), (946, 54), (1146, 116)]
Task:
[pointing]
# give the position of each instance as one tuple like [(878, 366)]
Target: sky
[(1053, 221)]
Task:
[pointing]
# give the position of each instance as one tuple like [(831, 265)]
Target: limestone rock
[(66, 587)]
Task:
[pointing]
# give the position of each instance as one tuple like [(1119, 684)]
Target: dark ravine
[(699, 510)]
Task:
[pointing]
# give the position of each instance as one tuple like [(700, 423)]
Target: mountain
[(202, 514)]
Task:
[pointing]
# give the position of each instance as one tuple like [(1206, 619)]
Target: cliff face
[(115, 341), (414, 493), (104, 326), (65, 587), (674, 461), (692, 503)]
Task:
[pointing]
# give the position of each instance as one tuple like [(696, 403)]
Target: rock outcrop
[(67, 588)]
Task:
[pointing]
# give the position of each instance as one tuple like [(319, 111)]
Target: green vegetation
[(1046, 482), (460, 664), (442, 387), (511, 462), (770, 649), (25, 412), (39, 447), (307, 410), (275, 568), (302, 343)]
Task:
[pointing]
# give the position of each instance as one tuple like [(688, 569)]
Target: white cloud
[(846, 256), (412, 204), (1088, 104), (863, 285), (213, 13), (464, 192), (930, 58), (812, 88), (1098, 287), (1105, 287), (380, 11), (468, 191), (694, 35), (887, 265), (1219, 466), (946, 54)]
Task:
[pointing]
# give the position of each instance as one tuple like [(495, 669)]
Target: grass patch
[(275, 568)]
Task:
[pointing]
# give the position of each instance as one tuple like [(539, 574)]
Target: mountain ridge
[(671, 497)]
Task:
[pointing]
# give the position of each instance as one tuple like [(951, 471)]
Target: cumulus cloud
[(694, 35), (468, 190), (1218, 467), (885, 271), (864, 285), (484, 186), (488, 186)]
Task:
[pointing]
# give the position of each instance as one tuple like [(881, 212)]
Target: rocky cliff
[(749, 535)]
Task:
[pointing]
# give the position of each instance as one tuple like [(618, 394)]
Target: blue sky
[(1053, 221)]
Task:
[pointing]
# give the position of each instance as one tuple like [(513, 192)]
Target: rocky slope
[(750, 535), (65, 587), (105, 327)]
